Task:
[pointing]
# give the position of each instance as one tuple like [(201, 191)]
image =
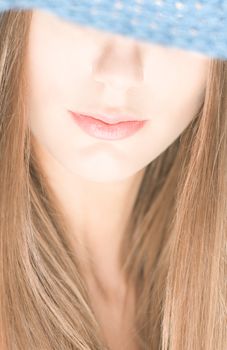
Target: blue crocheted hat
[(199, 26)]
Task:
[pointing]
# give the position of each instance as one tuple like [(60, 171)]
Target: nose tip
[(119, 69)]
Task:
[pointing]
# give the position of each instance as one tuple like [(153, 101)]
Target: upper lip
[(110, 117)]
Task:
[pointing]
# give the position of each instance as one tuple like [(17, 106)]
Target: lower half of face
[(104, 153)]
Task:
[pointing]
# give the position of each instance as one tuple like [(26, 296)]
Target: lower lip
[(104, 131)]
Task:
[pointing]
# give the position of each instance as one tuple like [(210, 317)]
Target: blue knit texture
[(199, 26)]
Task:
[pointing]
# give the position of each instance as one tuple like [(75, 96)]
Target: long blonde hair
[(174, 248)]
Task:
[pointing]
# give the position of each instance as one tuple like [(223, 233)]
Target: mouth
[(110, 118), (115, 130)]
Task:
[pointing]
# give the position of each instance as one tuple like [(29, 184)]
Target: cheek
[(177, 110), (58, 78), (173, 116)]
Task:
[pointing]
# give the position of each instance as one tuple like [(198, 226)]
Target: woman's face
[(81, 69)]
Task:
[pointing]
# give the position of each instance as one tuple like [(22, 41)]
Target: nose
[(119, 65)]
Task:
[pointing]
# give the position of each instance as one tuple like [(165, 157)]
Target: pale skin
[(100, 229), (96, 181), (112, 203)]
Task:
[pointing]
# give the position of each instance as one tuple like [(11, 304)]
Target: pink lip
[(110, 116), (102, 130), (111, 119)]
